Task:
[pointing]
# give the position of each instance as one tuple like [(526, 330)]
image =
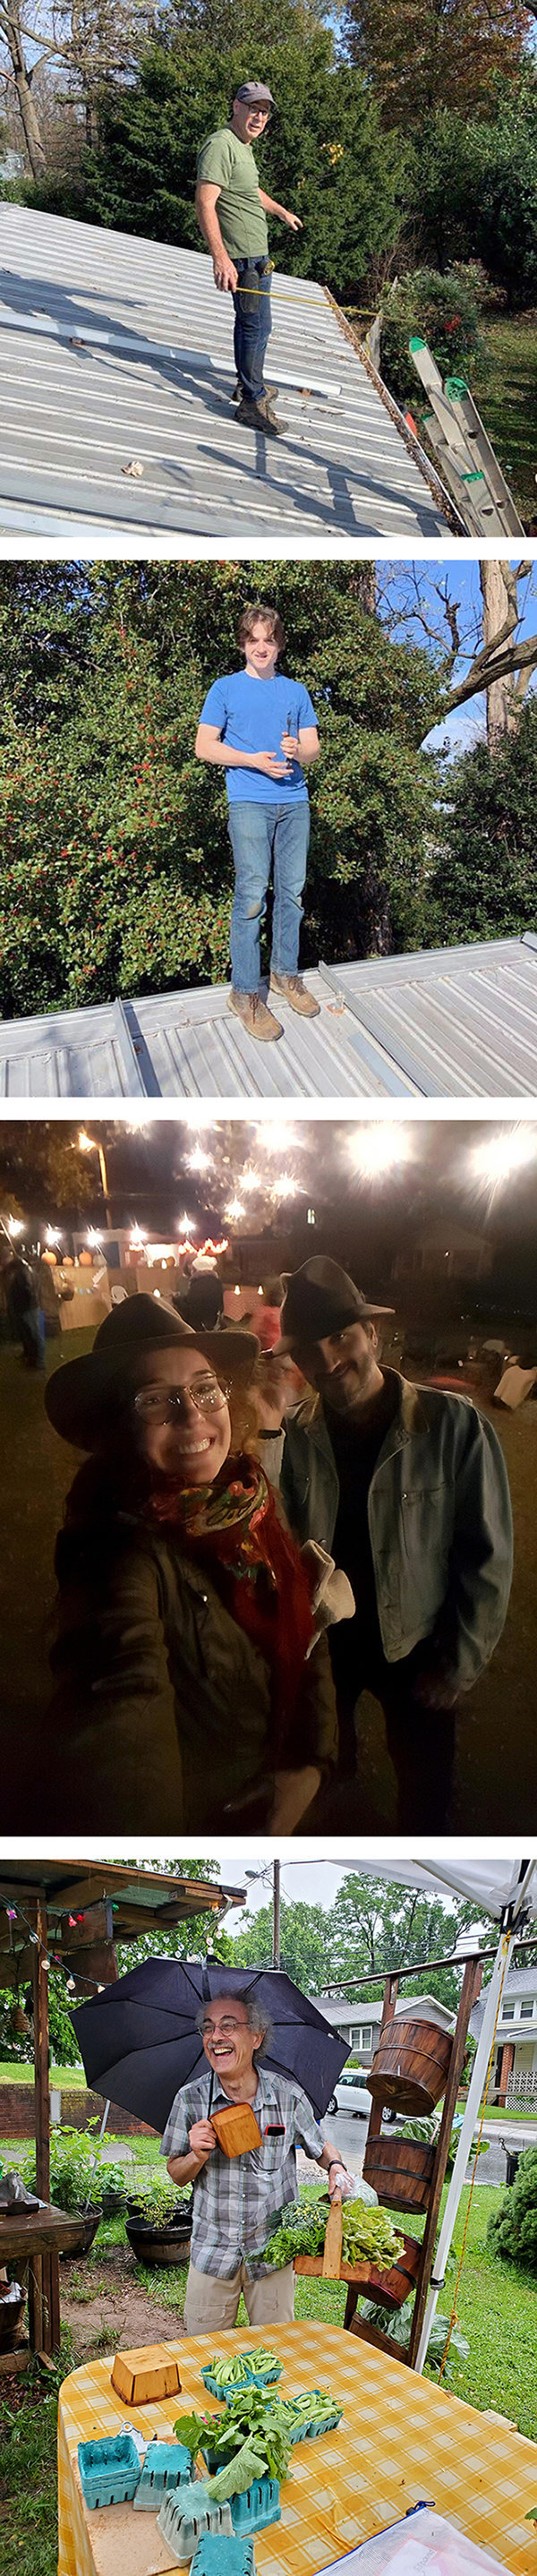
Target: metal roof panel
[(445, 1022), (115, 349)]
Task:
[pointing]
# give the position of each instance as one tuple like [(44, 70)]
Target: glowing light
[(156, 1293), (235, 1210), (186, 1225), (275, 1135), (138, 1238), (377, 1149), (250, 1180), (199, 1161), (236, 1292), (87, 1143), (53, 1234), (286, 1187), (502, 1156), (93, 1236), (15, 1225)]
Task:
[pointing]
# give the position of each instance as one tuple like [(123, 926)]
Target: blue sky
[(467, 724)]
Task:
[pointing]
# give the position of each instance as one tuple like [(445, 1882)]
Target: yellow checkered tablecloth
[(401, 2439)]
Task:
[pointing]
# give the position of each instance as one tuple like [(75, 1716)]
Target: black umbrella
[(140, 2043)]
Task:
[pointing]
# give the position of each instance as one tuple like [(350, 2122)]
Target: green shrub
[(444, 311), (512, 2229), (76, 2170)]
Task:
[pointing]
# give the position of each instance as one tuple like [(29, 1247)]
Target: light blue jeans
[(265, 836)]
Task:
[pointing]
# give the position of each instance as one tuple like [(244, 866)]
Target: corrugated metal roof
[(447, 1022), (116, 348)]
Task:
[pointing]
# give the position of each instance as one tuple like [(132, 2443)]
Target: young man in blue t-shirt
[(261, 728)]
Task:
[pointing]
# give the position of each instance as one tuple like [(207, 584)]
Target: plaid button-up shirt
[(238, 2201)]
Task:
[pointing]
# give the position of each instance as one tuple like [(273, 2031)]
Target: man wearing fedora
[(407, 1486), (232, 213)]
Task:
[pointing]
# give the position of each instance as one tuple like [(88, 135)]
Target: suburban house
[(360, 2023), (515, 2067)]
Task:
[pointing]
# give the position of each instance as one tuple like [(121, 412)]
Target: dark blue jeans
[(253, 325), (262, 836)]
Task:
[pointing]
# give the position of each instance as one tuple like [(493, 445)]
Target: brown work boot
[(290, 988), (260, 415), (238, 396), (252, 1011)]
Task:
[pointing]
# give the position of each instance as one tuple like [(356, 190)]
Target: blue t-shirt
[(251, 716)]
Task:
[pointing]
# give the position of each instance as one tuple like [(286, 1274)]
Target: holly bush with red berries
[(115, 864)]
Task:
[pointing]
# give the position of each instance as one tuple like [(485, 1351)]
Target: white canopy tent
[(505, 1888)]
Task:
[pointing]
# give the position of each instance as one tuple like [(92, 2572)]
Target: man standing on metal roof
[(232, 212), (406, 1486), (261, 728)]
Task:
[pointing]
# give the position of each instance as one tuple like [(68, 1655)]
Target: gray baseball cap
[(255, 94)]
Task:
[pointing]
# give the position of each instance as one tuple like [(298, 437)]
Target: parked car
[(351, 2095)]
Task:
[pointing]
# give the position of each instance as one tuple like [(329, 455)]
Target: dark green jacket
[(161, 1716)]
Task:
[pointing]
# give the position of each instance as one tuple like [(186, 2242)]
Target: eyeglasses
[(208, 2030), (159, 1403)]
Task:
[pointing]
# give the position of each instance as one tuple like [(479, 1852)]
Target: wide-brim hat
[(77, 1396), (321, 1299)]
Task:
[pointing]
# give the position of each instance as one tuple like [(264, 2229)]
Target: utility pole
[(276, 1914)]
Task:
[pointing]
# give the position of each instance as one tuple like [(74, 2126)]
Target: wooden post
[(41, 2053), (468, 1996)]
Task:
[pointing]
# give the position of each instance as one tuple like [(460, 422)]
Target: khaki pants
[(210, 2304)]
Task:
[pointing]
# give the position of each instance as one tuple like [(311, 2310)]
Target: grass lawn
[(506, 395), (497, 2311)]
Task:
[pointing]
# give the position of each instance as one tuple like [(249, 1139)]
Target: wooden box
[(141, 2376), (389, 2289), (237, 2129)]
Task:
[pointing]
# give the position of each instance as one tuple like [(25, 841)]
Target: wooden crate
[(145, 2374)]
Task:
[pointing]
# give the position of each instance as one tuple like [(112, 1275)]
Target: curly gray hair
[(256, 2015)]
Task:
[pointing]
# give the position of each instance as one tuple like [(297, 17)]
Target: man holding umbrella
[(238, 2201)]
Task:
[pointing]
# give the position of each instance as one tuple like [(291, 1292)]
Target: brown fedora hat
[(77, 1397), (320, 1299)]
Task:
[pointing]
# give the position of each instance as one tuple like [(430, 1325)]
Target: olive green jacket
[(161, 1715)]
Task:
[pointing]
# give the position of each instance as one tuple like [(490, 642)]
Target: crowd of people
[(255, 1538)]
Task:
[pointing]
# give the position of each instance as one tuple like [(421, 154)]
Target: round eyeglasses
[(159, 1403)]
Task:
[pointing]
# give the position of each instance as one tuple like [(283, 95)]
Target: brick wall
[(77, 2109)]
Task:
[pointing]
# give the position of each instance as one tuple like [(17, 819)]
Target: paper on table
[(433, 2547)]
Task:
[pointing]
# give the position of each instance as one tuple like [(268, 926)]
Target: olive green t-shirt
[(229, 164)]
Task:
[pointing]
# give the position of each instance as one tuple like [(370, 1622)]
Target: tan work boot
[(290, 988), (251, 1010), (260, 415)]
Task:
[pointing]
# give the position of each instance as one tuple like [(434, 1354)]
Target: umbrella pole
[(96, 2151)]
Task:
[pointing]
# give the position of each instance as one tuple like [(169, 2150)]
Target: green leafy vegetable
[(240, 2473)]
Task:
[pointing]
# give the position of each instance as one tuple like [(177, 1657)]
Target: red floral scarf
[(234, 1528)]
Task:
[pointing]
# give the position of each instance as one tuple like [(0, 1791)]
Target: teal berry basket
[(299, 2429), (259, 2505), (252, 2379), (190, 2515), (220, 2557), (167, 2465), (109, 2471)]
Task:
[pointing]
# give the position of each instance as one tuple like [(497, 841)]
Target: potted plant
[(75, 2174), (159, 2223)]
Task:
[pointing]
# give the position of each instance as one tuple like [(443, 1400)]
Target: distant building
[(360, 2023), (514, 2076)]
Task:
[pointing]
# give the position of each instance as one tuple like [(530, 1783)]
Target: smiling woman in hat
[(186, 1692)]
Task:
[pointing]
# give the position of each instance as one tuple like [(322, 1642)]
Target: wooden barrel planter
[(87, 2224), (389, 2289), (411, 2066), (12, 2307), (400, 2171), (151, 2243)]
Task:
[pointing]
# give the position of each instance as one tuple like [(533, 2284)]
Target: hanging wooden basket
[(400, 2171), (411, 2066)]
